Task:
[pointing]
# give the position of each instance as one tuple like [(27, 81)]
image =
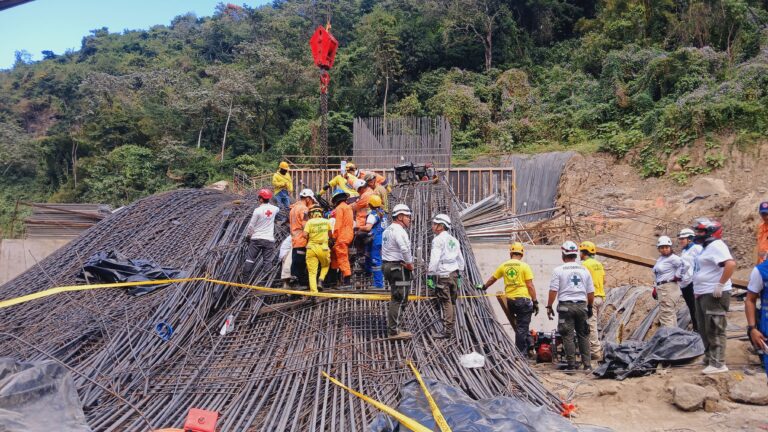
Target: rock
[(688, 397), (608, 390), (219, 185), (751, 390), (711, 394), (709, 186)]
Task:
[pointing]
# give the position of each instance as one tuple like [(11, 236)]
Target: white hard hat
[(401, 209), (686, 233), (663, 241), (306, 193), (443, 219), (569, 248), (359, 183)]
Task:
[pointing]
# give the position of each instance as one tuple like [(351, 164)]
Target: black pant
[(519, 311), (690, 301), (257, 248), (299, 265)]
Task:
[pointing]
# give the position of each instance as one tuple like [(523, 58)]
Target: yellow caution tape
[(402, 418), (436, 414), (71, 288)]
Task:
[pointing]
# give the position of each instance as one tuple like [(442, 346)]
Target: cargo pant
[(257, 248), (299, 265), (574, 329), (519, 312), (373, 263), (711, 318), (399, 279), (340, 258), (668, 293), (596, 349), (446, 288), (318, 256)]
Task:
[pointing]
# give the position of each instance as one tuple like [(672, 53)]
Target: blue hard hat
[(763, 209)]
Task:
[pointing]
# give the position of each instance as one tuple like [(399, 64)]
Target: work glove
[(550, 313), (589, 311), (535, 307), (718, 292), (480, 287), (430, 283), (654, 294)]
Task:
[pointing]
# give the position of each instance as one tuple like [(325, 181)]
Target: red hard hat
[(265, 194), (711, 227)]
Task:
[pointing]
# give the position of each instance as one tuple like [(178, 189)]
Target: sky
[(58, 25)]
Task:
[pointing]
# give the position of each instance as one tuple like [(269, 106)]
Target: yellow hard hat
[(351, 167), (517, 247), (284, 165), (374, 201), (589, 247)]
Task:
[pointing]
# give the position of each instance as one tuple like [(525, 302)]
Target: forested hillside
[(137, 112)]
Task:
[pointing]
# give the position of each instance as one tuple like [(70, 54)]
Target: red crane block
[(324, 47)]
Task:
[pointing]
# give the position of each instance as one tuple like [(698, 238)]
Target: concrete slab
[(18, 255)]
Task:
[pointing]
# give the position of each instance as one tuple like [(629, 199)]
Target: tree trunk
[(488, 44), (74, 161), (200, 134), (226, 127), (386, 93)]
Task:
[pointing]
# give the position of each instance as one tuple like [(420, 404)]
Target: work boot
[(567, 366), (347, 281), (320, 285)]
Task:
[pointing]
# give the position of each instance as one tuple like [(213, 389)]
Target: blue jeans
[(283, 199), (373, 264)]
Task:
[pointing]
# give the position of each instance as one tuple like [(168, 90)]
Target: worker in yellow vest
[(317, 230), (587, 251), (283, 186)]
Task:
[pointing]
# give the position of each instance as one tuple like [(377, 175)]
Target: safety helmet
[(374, 201), (516, 248), (686, 233), (351, 167), (315, 209), (284, 165), (663, 241), (369, 177), (265, 194), (588, 247), (359, 183), (569, 248), (442, 219), (307, 193), (711, 227), (401, 209), (339, 195)]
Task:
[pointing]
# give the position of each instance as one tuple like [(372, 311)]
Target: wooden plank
[(649, 262)]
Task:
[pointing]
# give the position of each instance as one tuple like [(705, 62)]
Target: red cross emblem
[(268, 213)]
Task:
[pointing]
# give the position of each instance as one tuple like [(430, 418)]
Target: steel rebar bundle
[(266, 373)]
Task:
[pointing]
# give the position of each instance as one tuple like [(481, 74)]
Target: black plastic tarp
[(113, 267), (500, 414), (635, 358), (38, 396)]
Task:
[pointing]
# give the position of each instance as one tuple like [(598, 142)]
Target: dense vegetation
[(137, 112)]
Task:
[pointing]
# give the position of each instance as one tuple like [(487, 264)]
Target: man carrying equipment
[(260, 232), (360, 208), (572, 285), (297, 219), (398, 267), (520, 294), (283, 186), (374, 228), (445, 263), (343, 233), (587, 251), (317, 230)]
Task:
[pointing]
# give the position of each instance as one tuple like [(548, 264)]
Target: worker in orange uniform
[(762, 233), (587, 251), (343, 233), (361, 213), (297, 219), (283, 186), (378, 190), (317, 230)]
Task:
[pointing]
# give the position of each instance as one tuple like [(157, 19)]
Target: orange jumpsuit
[(762, 242), (380, 179), (342, 237), (361, 207)]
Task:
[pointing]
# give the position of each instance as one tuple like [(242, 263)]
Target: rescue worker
[(351, 175), (762, 234), (712, 271), (360, 208), (688, 252), (572, 285), (587, 251), (757, 320), (260, 232), (284, 256), (445, 264), (374, 228), (283, 186), (318, 230), (378, 190), (343, 233), (380, 179), (668, 270), (340, 182), (519, 292), (398, 267), (297, 219)]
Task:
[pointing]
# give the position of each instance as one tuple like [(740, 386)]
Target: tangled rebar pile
[(266, 373)]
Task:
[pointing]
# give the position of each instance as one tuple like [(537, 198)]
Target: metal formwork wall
[(399, 140)]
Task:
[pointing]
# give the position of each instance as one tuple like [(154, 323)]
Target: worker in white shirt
[(668, 270), (260, 233), (445, 263), (757, 317), (572, 285), (688, 252), (398, 267)]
